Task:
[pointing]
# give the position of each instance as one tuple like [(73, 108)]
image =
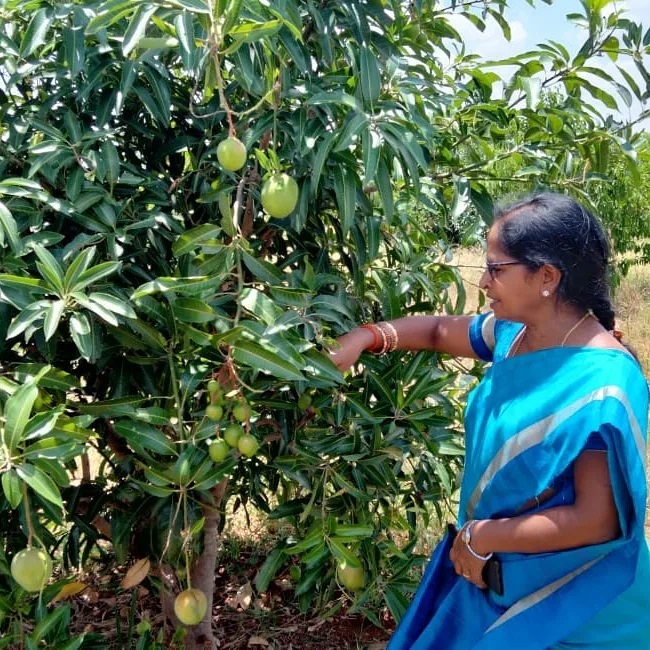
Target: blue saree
[(526, 423)]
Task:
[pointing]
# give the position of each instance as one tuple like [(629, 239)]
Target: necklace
[(575, 327), (522, 334)]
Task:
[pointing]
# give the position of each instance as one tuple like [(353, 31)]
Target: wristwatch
[(466, 536)]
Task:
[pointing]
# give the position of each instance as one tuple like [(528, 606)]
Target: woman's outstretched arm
[(447, 334)]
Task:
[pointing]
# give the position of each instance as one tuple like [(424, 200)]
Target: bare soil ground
[(241, 619)]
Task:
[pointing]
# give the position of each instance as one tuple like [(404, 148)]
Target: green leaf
[(275, 560), (319, 365), (142, 436), (300, 298), (58, 617), (350, 130), (96, 307), (342, 554), (335, 97), (110, 303), (108, 13), (532, 87), (261, 305), (184, 25), (53, 318), (369, 75), (20, 282), (194, 238), (137, 27), (320, 158), (18, 408), (11, 486), (96, 273), (85, 336), (262, 269), (9, 230), (191, 285), (371, 144), (385, 189), (355, 531), (74, 44), (41, 483), (345, 187), (397, 602), (79, 265), (250, 32), (50, 269), (36, 32), (192, 310), (111, 160), (254, 355), (48, 376), (113, 408)]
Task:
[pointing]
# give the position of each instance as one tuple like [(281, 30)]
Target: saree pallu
[(526, 423)]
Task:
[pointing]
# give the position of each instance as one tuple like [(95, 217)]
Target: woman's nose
[(484, 280)]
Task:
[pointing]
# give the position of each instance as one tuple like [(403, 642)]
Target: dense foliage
[(148, 303)]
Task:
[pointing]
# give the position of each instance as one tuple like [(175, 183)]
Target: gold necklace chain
[(564, 340), (575, 327)]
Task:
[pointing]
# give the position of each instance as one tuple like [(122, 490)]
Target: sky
[(533, 25)]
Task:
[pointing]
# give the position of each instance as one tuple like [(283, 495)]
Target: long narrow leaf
[(17, 410), (50, 269), (369, 77), (112, 304), (9, 230), (141, 435), (259, 358), (345, 187), (137, 27), (53, 318), (78, 266), (41, 483)]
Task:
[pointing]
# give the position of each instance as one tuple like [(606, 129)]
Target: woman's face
[(513, 290)]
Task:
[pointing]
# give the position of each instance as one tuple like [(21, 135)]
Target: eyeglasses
[(493, 267)]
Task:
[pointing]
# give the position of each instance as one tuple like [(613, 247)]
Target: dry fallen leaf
[(136, 574), (71, 589), (242, 598), (257, 640)]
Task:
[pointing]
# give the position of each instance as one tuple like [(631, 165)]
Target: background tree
[(151, 308)]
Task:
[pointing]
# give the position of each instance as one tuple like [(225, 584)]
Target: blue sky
[(532, 25)]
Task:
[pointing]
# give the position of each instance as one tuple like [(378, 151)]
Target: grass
[(632, 303)]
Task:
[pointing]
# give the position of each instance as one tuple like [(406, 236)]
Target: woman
[(552, 500)]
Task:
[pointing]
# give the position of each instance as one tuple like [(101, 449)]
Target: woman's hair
[(555, 229)]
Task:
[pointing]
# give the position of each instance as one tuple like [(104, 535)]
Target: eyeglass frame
[(491, 267)]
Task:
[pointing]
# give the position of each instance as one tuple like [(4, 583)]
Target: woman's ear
[(550, 277)]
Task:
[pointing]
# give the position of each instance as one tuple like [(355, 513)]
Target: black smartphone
[(491, 573)]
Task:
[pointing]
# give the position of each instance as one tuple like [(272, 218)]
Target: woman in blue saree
[(550, 551)]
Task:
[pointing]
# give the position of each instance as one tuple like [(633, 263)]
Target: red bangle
[(384, 337), (377, 342)]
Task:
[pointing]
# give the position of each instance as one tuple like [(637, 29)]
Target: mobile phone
[(491, 573)]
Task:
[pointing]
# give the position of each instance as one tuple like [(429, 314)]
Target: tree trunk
[(201, 637)]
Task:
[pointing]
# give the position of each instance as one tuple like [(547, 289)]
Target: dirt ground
[(241, 619)]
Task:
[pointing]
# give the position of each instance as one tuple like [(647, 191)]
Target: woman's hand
[(348, 348), (465, 564)]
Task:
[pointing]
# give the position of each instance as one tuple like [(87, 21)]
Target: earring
[(546, 293)]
